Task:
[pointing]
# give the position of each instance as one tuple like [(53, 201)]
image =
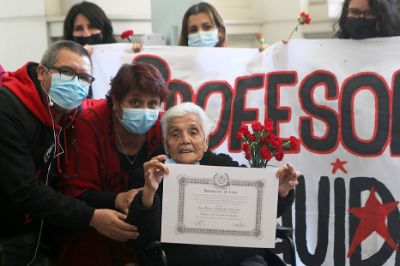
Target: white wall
[(23, 31), (29, 25), (167, 17)]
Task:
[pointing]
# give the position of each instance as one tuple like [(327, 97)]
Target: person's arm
[(99, 200), (285, 203), (145, 210), (146, 219), (17, 183), (287, 183), (19, 188)]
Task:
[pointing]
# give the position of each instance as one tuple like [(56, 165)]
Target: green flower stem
[(293, 31)]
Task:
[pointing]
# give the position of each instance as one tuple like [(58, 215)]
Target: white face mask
[(203, 39)]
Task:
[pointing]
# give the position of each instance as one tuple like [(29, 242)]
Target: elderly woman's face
[(185, 141)]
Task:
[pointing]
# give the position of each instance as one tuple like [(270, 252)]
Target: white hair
[(183, 109)]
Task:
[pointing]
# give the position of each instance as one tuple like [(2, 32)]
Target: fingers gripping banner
[(341, 98)]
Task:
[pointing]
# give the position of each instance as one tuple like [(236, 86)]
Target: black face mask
[(360, 28), (92, 39)]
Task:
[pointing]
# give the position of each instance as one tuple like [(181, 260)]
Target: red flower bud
[(276, 142), (256, 126), (126, 34), (279, 155), (268, 124), (246, 147), (239, 136), (265, 153), (304, 18), (294, 143), (245, 130)]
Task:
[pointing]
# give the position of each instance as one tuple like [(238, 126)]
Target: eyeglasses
[(356, 13), (68, 73)]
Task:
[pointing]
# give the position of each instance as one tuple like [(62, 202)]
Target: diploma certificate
[(227, 206)]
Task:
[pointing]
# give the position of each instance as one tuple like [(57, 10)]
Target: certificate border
[(183, 181)]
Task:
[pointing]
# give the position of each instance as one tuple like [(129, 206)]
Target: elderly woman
[(104, 166), (186, 128)]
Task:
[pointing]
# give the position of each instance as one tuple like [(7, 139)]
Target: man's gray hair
[(183, 109), (49, 57)]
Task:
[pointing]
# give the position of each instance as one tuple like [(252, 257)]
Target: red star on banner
[(338, 165), (372, 218)]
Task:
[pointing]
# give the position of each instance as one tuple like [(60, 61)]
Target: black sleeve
[(148, 220), (99, 200), (19, 191), (285, 203)]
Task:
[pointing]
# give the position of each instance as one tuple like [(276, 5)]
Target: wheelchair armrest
[(283, 232), (156, 254), (152, 246), (286, 233)]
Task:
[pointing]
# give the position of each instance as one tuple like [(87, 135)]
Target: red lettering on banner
[(339, 124)]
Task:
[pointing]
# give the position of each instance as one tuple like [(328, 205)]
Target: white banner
[(340, 97)]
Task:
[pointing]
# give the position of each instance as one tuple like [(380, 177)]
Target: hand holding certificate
[(219, 206)]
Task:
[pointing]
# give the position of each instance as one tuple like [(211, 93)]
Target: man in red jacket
[(37, 103)]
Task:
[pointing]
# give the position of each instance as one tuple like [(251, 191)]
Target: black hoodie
[(26, 137)]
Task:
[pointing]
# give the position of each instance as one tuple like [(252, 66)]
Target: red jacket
[(93, 165)]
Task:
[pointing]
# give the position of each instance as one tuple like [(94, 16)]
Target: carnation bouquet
[(262, 145)]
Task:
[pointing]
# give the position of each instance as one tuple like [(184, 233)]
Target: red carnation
[(276, 142), (246, 147), (252, 138), (304, 18), (127, 35), (269, 124), (239, 136), (269, 138), (261, 145), (279, 155), (294, 143), (245, 130), (256, 126), (265, 153)]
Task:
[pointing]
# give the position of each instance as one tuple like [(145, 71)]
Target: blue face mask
[(139, 120), (203, 39), (66, 93), (169, 161)]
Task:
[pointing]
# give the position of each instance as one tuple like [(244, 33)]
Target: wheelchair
[(156, 256)]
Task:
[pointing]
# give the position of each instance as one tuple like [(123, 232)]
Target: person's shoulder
[(92, 109), (8, 100), (220, 159)]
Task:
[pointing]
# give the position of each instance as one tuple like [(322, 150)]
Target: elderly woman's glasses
[(357, 13), (68, 74)]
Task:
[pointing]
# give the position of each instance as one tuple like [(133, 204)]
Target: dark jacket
[(148, 221), (26, 142)]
